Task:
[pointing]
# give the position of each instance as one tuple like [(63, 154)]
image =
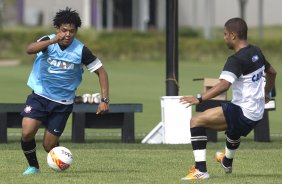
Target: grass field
[(103, 159), (105, 163)]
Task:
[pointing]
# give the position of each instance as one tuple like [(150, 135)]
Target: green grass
[(103, 159), (117, 163)]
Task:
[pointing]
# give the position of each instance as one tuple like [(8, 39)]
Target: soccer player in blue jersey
[(55, 76), (244, 71)]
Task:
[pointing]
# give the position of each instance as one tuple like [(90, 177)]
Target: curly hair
[(67, 16)]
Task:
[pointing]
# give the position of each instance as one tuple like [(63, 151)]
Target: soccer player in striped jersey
[(252, 78)]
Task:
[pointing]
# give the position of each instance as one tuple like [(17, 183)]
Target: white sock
[(200, 155), (229, 153)]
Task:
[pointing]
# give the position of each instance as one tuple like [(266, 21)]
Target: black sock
[(227, 162), (199, 142), (29, 149), (232, 143)]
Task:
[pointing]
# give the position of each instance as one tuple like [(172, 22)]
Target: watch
[(106, 100), (200, 99)]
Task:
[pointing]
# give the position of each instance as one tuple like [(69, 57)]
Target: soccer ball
[(59, 158)]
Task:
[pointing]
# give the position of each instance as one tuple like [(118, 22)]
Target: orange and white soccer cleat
[(195, 174), (219, 157)]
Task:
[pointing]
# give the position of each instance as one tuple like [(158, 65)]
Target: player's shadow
[(114, 170)]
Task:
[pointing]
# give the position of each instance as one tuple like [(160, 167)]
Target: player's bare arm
[(36, 47), (216, 90), (270, 81), (104, 85)]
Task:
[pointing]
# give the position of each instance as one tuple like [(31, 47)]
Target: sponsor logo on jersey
[(255, 58), (50, 70), (60, 64), (257, 76)]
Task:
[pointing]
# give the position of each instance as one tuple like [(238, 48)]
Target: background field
[(136, 82), (103, 159)]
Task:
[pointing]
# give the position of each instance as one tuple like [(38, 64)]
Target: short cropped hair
[(238, 26), (67, 16)]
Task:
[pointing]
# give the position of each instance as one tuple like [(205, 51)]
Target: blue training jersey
[(56, 73)]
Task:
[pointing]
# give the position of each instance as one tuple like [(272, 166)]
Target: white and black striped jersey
[(245, 71)]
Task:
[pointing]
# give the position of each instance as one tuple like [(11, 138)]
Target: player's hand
[(103, 108), (59, 37), (267, 98), (189, 100)]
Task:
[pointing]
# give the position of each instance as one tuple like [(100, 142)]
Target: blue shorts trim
[(53, 115), (238, 124)]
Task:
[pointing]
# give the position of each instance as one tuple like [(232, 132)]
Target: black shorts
[(53, 115), (237, 123)]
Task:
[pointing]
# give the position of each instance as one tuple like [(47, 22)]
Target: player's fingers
[(184, 101), (99, 112), (189, 104), (102, 111), (267, 100)]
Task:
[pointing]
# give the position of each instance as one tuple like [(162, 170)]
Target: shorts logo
[(57, 131), (27, 109)]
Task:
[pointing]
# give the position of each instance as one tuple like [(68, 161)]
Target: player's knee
[(48, 147), (194, 122), (27, 136)]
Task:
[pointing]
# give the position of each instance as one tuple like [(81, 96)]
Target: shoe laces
[(192, 170)]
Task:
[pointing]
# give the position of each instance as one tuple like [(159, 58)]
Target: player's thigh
[(211, 118), (54, 129), (29, 128)]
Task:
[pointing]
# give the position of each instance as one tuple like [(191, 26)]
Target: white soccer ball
[(86, 98), (96, 98), (59, 158)]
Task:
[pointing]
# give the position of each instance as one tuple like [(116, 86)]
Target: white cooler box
[(175, 125)]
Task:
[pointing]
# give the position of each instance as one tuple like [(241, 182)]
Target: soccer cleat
[(219, 157), (31, 170), (195, 174)]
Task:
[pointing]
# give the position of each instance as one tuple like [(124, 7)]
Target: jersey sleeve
[(91, 62), (266, 63), (231, 70), (44, 38)]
